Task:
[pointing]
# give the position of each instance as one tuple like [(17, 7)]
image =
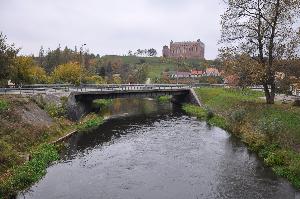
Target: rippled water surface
[(152, 150)]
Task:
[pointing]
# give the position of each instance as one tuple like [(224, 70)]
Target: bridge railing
[(43, 88), (124, 87)]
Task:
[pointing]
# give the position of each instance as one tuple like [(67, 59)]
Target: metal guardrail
[(43, 88)]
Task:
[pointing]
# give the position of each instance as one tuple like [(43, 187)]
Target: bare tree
[(265, 31)]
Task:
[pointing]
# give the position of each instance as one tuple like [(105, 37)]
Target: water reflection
[(155, 151)]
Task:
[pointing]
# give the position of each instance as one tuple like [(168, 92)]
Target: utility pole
[(81, 60)]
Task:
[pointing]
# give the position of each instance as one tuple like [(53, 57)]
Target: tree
[(7, 55), (141, 73), (130, 53), (20, 70), (68, 73), (41, 56), (37, 75), (263, 30), (152, 52)]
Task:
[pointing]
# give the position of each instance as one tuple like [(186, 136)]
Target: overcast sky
[(110, 26)]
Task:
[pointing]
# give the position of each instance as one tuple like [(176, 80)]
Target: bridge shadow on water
[(121, 115)]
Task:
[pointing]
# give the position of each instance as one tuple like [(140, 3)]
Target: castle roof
[(187, 42)]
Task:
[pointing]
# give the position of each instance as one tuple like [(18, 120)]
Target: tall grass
[(273, 131)]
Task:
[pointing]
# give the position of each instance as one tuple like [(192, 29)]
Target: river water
[(152, 150)]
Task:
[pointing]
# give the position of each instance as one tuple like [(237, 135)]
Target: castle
[(190, 49)]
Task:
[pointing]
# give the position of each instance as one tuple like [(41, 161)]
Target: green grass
[(3, 105), (25, 175), (164, 99), (205, 114), (196, 111), (101, 103), (89, 122), (156, 65), (273, 131), (156, 70)]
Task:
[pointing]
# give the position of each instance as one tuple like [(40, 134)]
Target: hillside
[(157, 65)]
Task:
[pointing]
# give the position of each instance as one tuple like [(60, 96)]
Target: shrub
[(91, 121), (263, 153), (256, 141), (209, 114), (55, 110), (270, 126), (238, 116), (274, 159), (3, 105)]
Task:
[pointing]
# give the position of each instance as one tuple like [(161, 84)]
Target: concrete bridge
[(81, 99)]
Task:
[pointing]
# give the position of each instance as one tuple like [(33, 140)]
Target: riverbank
[(273, 131), (29, 128)]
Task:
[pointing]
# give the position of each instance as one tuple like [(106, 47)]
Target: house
[(196, 73), (212, 72), (175, 74)]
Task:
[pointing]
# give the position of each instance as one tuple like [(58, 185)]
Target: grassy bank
[(27, 174), (27, 126), (89, 122), (165, 98), (273, 131)]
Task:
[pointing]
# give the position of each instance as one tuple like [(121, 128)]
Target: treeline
[(65, 65), (51, 58), (143, 52)]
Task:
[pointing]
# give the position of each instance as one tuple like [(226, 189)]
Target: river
[(151, 150)]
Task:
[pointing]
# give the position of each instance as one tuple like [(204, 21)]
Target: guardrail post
[(20, 90)]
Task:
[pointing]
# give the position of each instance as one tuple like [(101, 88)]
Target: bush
[(55, 110), (91, 121), (209, 114), (238, 116), (3, 105), (270, 126), (263, 153), (274, 159), (256, 141)]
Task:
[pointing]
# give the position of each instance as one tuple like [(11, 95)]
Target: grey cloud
[(112, 26)]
